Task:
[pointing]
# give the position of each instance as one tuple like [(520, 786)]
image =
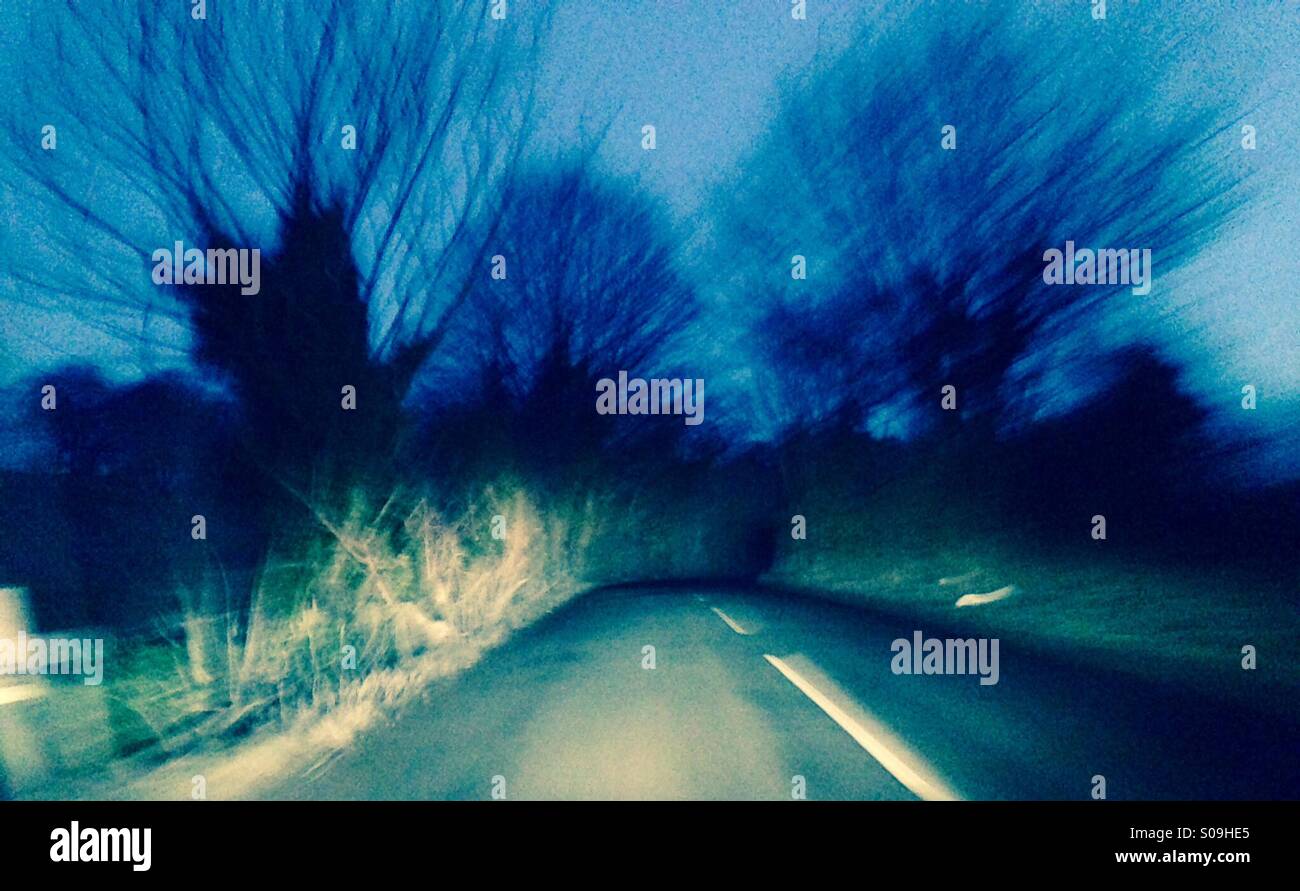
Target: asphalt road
[(759, 696)]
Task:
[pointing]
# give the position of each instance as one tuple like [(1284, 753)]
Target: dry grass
[(394, 596)]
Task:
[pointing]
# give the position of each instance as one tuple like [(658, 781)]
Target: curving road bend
[(753, 695)]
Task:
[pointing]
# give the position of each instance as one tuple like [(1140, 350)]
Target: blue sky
[(706, 73)]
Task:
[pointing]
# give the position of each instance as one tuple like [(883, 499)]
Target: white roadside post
[(22, 758)]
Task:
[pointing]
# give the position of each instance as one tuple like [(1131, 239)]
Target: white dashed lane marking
[(731, 623)]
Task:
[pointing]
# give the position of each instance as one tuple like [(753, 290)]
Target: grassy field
[(1090, 602)]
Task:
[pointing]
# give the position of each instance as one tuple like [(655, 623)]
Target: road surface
[(758, 696)]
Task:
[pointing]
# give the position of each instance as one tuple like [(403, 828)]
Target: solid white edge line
[(731, 623), (927, 788)]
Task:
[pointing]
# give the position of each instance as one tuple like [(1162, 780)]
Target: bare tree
[(364, 148), (591, 285), (925, 245)]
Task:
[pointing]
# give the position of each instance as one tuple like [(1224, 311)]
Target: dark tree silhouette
[(592, 286), (924, 264), (96, 517), (234, 132)]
